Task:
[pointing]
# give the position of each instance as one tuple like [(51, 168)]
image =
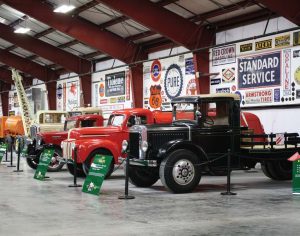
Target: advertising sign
[(259, 96), (44, 161), (115, 84), (246, 47), (97, 172), (259, 71), (296, 38), (223, 55), (72, 95), (264, 44), (173, 81), (282, 41), (286, 72)]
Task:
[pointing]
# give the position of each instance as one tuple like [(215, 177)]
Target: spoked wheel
[(180, 171), (54, 164), (87, 163), (32, 162)]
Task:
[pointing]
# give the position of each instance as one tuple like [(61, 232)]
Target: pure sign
[(97, 172), (2, 150), (43, 164)]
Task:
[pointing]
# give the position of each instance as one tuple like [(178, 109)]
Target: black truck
[(178, 153)]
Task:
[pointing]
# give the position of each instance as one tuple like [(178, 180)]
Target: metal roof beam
[(27, 66), (288, 9), (83, 31), (47, 51), (151, 15)]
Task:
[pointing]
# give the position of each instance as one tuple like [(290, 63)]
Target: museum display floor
[(31, 207)]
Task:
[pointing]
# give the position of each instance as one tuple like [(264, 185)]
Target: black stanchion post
[(228, 192), (11, 154), (6, 153), (19, 154), (75, 170), (126, 196)]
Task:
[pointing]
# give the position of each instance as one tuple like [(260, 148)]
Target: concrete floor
[(31, 207)]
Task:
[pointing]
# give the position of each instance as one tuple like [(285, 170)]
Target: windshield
[(116, 120), (70, 124)]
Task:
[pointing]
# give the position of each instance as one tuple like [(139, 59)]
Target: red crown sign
[(155, 89)]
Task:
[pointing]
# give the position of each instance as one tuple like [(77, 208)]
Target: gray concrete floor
[(31, 207)]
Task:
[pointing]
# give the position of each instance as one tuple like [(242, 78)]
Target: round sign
[(59, 91), (155, 70), (173, 81), (101, 90)]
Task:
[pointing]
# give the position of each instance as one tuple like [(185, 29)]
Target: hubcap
[(183, 172)]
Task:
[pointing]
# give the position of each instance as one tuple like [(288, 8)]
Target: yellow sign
[(265, 44), (246, 47), (282, 41), (296, 40)]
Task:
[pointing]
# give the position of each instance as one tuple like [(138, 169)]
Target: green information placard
[(2, 150), (296, 177), (44, 161), (97, 172)]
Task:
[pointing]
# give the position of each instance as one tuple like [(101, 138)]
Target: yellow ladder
[(26, 113)]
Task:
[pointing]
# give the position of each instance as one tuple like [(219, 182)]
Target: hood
[(52, 133), (93, 131)]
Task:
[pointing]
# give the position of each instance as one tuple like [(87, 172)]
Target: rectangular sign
[(44, 162), (215, 81), (265, 44), (296, 53), (246, 47), (189, 66), (223, 90), (259, 96), (259, 71), (296, 177), (296, 38), (282, 41), (97, 172), (223, 55), (2, 150), (286, 73), (115, 84)]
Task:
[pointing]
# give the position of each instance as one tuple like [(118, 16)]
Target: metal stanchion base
[(126, 197), (75, 185), (228, 193), (5, 161), (18, 171), (11, 166)]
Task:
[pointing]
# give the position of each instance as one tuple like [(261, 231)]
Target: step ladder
[(25, 107)]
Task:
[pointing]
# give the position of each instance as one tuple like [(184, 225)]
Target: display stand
[(126, 196), (19, 154), (11, 154), (75, 171)]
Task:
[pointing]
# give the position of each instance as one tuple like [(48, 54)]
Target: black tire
[(180, 171), (32, 163), (278, 170), (266, 171), (142, 176), (80, 172), (55, 165), (87, 163)]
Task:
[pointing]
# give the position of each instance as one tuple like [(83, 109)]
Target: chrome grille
[(67, 148)]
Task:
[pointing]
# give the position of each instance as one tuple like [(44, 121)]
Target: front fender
[(86, 147), (181, 144)]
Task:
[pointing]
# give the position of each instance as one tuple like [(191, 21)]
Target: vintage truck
[(106, 140), (177, 153), (35, 144)]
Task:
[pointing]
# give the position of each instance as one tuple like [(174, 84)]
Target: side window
[(222, 113), (143, 120), (88, 123)]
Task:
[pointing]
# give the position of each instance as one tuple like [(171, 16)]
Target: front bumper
[(139, 162)]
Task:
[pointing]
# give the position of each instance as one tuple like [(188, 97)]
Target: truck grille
[(67, 148), (134, 144), (33, 131)]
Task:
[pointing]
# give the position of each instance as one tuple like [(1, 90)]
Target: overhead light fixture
[(2, 20), (64, 8), (22, 30)]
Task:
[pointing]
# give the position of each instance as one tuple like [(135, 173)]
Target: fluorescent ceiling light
[(22, 30), (64, 8), (2, 20)]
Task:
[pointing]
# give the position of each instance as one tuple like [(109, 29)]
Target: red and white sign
[(259, 96), (286, 72), (228, 75)]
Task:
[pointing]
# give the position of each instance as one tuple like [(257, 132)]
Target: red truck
[(35, 147), (107, 140)]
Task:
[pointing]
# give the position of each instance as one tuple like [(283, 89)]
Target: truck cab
[(177, 153), (103, 140)]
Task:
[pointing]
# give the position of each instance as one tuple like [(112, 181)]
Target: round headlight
[(124, 145), (39, 140), (144, 146)]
